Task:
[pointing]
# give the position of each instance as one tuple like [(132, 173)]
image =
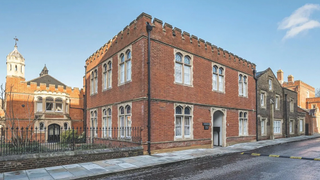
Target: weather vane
[(16, 40)]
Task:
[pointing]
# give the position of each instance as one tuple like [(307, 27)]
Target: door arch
[(218, 127), (54, 133)]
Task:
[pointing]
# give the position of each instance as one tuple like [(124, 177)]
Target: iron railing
[(15, 141)]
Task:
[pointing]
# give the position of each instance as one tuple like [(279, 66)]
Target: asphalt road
[(240, 167)]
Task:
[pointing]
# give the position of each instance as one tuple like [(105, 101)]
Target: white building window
[(270, 84), (243, 123), (277, 103), (39, 104), (291, 127), (291, 105), (183, 68), (125, 59), (107, 122), (263, 127), (58, 102), (125, 121), (183, 122), (243, 85), (277, 127), (49, 104), (301, 125), (263, 99), (96, 81), (218, 78), (94, 123), (107, 75)]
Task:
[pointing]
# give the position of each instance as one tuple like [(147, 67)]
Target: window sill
[(182, 84), (242, 96), (182, 139), (104, 90), (126, 82), (216, 91)]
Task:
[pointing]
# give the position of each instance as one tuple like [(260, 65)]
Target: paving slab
[(16, 175), (38, 174), (94, 168), (77, 170), (59, 172)]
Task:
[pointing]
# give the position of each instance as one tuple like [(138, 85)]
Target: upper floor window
[(263, 99), (270, 84), (59, 106), (243, 85), (49, 104), (291, 105), (183, 122), (107, 75), (277, 103), (94, 82), (243, 123), (125, 67), (183, 68), (218, 78), (39, 104), (125, 121)]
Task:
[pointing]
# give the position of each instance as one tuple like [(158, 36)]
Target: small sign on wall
[(206, 126)]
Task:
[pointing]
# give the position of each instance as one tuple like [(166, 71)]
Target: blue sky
[(63, 34)]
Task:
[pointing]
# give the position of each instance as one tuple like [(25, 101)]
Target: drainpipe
[(149, 29), (85, 103), (257, 129), (286, 114)]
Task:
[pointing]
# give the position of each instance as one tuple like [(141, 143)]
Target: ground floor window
[(183, 121), (291, 127), (301, 125), (243, 123), (263, 127), (277, 127)]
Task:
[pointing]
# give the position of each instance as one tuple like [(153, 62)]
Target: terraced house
[(200, 95)]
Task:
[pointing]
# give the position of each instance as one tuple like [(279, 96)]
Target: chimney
[(280, 76), (290, 78)]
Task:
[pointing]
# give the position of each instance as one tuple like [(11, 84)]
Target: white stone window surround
[(183, 116), (263, 99), (243, 123), (277, 102), (265, 121), (94, 81), (54, 95), (291, 126), (302, 126), (243, 84), (183, 54), (107, 75), (126, 121), (218, 75), (280, 128), (270, 85), (106, 124), (127, 66), (94, 124)]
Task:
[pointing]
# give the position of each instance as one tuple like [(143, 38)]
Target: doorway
[(217, 128), (54, 133)]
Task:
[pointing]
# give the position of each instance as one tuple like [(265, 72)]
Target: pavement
[(102, 168)]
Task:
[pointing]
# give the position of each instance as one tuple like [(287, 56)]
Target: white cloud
[(299, 21)]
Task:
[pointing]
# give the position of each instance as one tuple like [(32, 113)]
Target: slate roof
[(47, 79)]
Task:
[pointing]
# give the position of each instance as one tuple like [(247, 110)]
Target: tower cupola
[(15, 63)]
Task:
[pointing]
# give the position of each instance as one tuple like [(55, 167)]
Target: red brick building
[(43, 102), (193, 84)]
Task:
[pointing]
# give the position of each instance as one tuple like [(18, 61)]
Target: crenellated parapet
[(166, 33)]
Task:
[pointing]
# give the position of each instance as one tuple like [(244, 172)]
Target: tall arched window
[(125, 66), (49, 104), (94, 123), (104, 76), (243, 85), (109, 75), (39, 104), (107, 123), (215, 78), (243, 123), (221, 79), (96, 81), (125, 121), (91, 83), (183, 66), (59, 106), (183, 121)]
